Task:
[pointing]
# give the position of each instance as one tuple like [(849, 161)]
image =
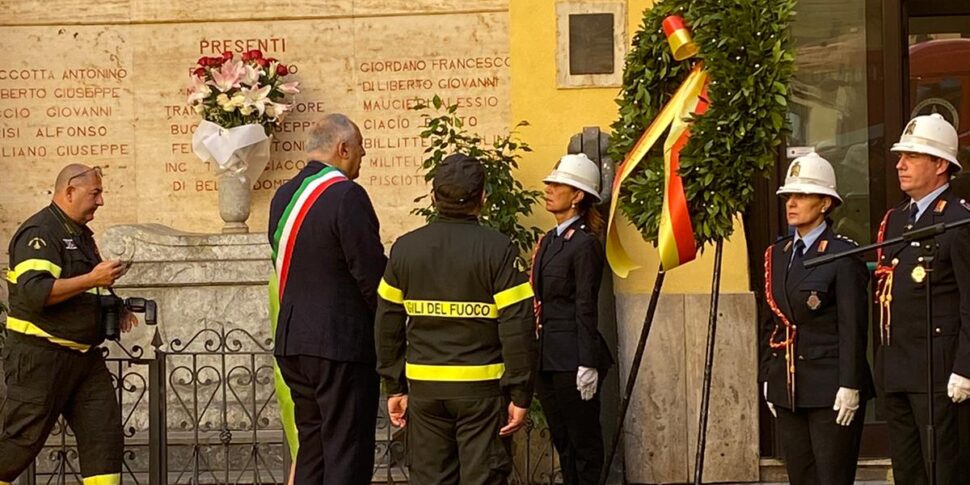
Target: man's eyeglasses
[(96, 170)]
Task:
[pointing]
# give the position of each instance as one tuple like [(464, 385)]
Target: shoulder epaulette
[(965, 204), (846, 239)]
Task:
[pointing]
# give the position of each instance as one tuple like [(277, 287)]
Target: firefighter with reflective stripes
[(51, 360), (456, 346)]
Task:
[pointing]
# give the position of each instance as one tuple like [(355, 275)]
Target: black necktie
[(913, 213), (799, 251)]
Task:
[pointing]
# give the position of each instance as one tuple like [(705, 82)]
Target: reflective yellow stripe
[(390, 293), (450, 309), (33, 265), (513, 295), (27, 328), (454, 373), (97, 290), (111, 479)]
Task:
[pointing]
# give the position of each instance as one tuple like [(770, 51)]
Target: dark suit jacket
[(901, 365), (567, 275), (830, 348), (330, 299)]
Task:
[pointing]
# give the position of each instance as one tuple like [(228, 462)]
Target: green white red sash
[(288, 229)]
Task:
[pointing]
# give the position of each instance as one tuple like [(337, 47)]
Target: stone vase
[(235, 200)]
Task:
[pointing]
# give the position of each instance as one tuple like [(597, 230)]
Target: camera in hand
[(113, 306)]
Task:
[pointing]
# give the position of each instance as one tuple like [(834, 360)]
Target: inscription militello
[(115, 96)]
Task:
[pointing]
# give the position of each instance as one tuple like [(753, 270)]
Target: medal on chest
[(918, 274)]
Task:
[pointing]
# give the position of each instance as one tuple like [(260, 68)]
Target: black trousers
[(336, 415), (456, 441), (906, 415), (575, 426), (817, 450), (45, 381)]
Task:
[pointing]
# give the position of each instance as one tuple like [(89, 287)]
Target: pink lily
[(199, 90), (292, 87), (227, 76), (256, 97)]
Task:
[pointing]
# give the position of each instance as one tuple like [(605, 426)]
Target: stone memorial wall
[(110, 90)]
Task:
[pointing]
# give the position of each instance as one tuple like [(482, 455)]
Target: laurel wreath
[(746, 48)]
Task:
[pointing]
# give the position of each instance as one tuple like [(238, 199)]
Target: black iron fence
[(204, 410)]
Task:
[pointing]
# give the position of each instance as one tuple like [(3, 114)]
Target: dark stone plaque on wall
[(591, 43)]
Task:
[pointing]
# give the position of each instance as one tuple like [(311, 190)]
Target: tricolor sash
[(284, 239)]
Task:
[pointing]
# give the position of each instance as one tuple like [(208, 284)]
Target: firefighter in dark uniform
[(927, 160), (573, 356), (815, 375), (51, 360), (455, 337)]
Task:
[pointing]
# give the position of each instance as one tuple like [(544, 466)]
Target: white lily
[(250, 75), (256, 98)]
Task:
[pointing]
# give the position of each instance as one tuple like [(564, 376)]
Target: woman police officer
[(573, 357), (816, 379)]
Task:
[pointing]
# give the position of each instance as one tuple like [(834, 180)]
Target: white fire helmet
[(577, 171), (932, 135), (811, 174)]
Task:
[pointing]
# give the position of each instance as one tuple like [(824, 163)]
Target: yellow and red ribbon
[(676, 236)]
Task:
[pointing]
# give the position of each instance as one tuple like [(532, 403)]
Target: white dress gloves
[(959, 388), (586, 380), (846, 403), (771, 407)]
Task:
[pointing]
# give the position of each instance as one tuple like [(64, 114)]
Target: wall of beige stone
[(103, 83)]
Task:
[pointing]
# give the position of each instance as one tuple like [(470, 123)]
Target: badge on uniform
[(919, 273), (940, 206), (37, 243), (69, 244), (823, 245), (814, 302)]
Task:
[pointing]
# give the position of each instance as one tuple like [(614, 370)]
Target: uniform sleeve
[(360, 238), (389, 332), (35, 262), (516, 329), (960, 256), (852, 288), (588, 273)]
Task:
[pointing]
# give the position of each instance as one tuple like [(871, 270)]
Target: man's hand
[(958, 388), (516, 420), (397, 407), (128, 321), (105, 273), (846, 403)]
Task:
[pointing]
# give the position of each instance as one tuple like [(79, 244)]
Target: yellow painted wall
[(556, 114)]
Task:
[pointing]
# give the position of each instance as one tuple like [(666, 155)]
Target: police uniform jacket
[(567, 272), (48, 246), (331, 291), (828, 305), (455, 316), (901, 362)]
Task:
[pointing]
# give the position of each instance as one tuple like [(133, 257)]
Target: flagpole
[(631, 380), (708, 366)]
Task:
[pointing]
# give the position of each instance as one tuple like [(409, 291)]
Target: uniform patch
[(814, 302), (569, 234), (823, 245), (788, 246), (69, 244), (940, 206), (37, 243)]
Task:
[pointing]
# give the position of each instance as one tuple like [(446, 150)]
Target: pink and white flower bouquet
[(242, 101)]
